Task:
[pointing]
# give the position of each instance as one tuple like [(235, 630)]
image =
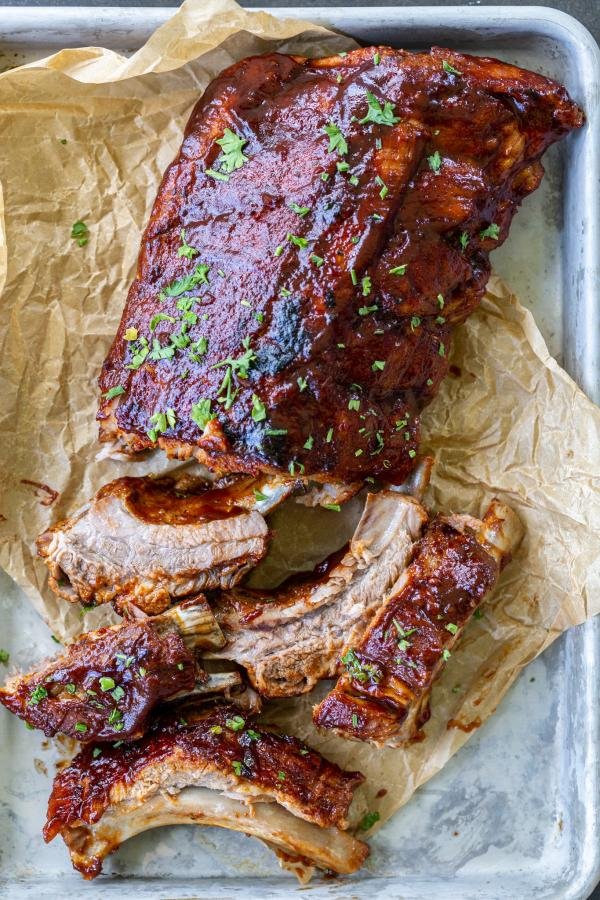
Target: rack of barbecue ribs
[(211, 767), (150, 541), (383, 695), (325, 226), (289, 638), (107, 683)]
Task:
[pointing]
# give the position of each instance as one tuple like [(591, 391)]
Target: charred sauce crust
[(225, 737), (337, 256)]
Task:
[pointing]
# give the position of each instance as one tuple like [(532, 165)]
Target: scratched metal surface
[(515, 813)]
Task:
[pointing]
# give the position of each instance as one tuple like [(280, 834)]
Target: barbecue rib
[(325, 226), (383, 697), (106, 684), (148, 540), (289, 638), (291, 796)]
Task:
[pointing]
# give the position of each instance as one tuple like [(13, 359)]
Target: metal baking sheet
[(515, 814)]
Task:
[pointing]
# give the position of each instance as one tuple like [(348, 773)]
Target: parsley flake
[(377, 114), (259, 413), (337, 141), (231, 145), (80, 233), (492, 231), (186, 249), (435, 162), (450, 69), (378, 365), (113, 392), (300, 210)]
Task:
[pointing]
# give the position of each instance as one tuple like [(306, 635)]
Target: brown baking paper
[(86, 135)]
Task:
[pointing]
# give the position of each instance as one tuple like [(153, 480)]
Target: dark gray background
[(587, 11)]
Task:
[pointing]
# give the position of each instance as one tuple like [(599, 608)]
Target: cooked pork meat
[(383, 696), (324, 227), (289, 638), (215, 767), (150, 540), (106, 684)]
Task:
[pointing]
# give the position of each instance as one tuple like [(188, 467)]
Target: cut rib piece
[(106, 684), (383, 696), (150, 540), (324, 227), (291, 796), (289, 638)]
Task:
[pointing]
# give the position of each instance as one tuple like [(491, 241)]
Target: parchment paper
[(86, 135)]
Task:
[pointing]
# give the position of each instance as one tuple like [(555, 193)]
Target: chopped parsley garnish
[(377, 114), (81, 727), (414, 322), (115, 717), (308, 444), (376, 59), (435, 162), (198, 348), (333, 507), (412, 453), (378, 365), (259, 413), (337, 141), (440, 300), (160, 317), (80, 233), (353, 180), (106, 683), (253, 735), (297, 241), (366, 286), (231, 145), (162, 421), (215, 729), (218, 176), (96, 752), (442, 349), (278, 250), (324, 176), (201, 413), (236, 723), (40, 693), (180, 666), (70, 688), (429, 382), (130, 334), (354, 240), (399, 270), (384, 188), (368, 821), (359, 671), (329, 436), (318, 260), (366, 310), (142, 671), (354, 403), (451, 627), (353, 277), (446, 655), (118, 693), (464, 240), (239, 366), (237, 767), (354, 720), (259, 496), (440, 320), (187, 283), (359, 452), (292, 467), (302, 383), (276, 432), (301, 210), (113, 392), (186, 249), (339, 79), (124, 659), (450, 69), (492, 231)]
